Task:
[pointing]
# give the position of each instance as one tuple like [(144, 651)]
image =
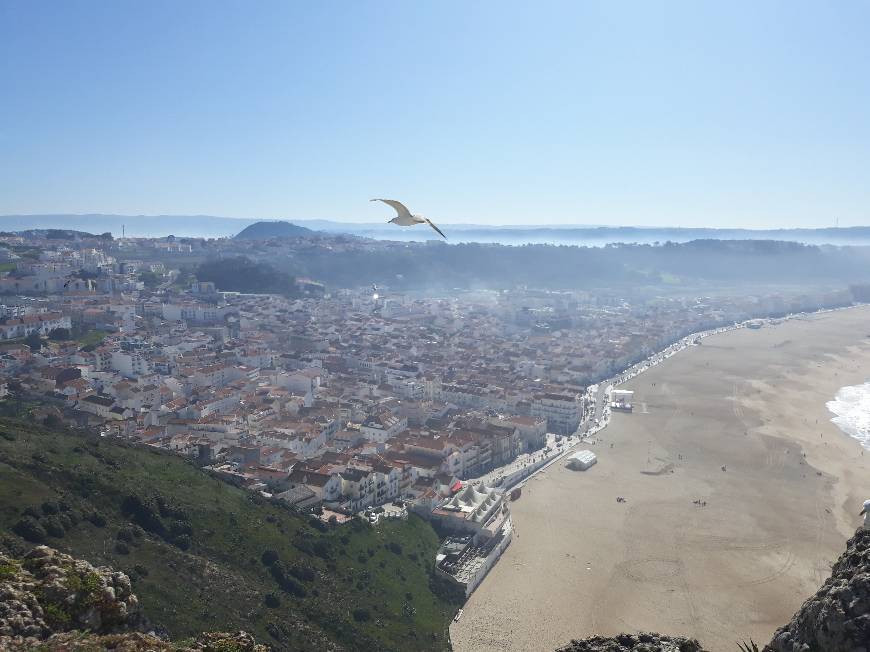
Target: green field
[(194, 546), (91, 338)]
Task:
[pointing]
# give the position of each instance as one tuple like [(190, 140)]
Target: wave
[(852, 409)]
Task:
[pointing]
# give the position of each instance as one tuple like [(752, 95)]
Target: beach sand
[(752, 401)]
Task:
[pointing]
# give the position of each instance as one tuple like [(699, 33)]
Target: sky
[(730, 114)]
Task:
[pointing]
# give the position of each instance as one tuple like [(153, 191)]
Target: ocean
[(852, 409)]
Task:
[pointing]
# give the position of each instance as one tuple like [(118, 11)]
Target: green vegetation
[(150, 279), (7, 267), (267, 230), (34, 341), (90, 340), (204, 555), (240, 274)]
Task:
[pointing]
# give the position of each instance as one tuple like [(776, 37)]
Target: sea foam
[(852, 410)]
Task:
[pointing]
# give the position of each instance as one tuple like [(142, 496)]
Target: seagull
[(865, 512), (404, 217)]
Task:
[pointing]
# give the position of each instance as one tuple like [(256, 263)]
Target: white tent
[(582, 460)]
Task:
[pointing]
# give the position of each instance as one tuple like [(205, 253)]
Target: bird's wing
[(429, 222), (400, 208)]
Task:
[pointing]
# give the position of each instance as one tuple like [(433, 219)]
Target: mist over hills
[(218, 227)]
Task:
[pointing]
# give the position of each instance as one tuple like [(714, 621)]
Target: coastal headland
[(739, 493)]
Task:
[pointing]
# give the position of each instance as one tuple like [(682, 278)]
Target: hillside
[(194, 547), (267, 230)]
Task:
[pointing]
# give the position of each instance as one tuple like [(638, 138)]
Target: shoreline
[(627, 374), (659, 562)]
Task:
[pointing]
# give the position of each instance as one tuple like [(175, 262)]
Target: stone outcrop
[(51, 602), (837, 617), (642, 642), (139, 642), (48, 591)]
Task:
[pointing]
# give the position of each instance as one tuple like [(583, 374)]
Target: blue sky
[(751, 114)]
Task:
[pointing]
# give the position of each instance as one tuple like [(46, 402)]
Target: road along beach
[(739, 492)]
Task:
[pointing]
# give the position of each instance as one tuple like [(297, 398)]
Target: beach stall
[(582, 460), (621, 399)]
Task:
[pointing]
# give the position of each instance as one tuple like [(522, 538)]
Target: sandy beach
[(749, 401)]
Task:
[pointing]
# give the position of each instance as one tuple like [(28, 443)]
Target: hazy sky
[(649, 113)]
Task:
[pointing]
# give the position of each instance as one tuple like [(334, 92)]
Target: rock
[(836, 617), (48, 592), (139, 642), (642, 642), (48, 598)]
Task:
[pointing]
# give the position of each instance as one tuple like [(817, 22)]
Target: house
[(383, 427)]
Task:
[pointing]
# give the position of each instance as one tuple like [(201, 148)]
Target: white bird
[(404, 217), (865, 512)]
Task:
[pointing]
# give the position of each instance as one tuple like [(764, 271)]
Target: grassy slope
[(220, 582)]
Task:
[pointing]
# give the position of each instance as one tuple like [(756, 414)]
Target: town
[(368, 402)]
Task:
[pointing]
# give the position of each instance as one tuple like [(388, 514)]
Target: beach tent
[(582, 460)]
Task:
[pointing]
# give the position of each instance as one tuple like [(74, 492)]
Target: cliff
[(837, 617)]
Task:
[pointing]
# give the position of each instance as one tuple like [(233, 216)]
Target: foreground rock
[(642, 642), (48, 591), (837, 617), (52, 602), (138, 642)]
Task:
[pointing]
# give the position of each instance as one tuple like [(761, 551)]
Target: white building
[(563, 412)]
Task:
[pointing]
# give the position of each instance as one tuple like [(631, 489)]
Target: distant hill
[(267, 230), (205, 555), (139, 226), (208, 226)]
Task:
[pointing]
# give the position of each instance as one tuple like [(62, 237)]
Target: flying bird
[(404, 217)]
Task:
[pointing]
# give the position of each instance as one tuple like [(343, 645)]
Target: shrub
[(144, 513), (178, 528), (96, 519), (269, 557), (303, 573), (53, 526), (32, 512), (56, 616), (272, 601), (361, 615), (122, 548), (182, 542), (49, 508), (287, 583), (394, 547), (321, 549), (140, 570), (125, 534)]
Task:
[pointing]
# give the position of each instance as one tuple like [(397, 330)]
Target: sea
[(852, 409)]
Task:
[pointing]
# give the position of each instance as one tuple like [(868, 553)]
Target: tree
[(150, 279), (239, 274), (34, 341), (59, 334)]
